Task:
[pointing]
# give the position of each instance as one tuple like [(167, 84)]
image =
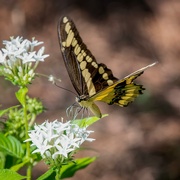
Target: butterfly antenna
[(65, 89)]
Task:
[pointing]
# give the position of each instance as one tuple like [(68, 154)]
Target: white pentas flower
[(19, 60), (57, 141)]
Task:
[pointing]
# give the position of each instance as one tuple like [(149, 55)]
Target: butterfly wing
[(87, 76), (123, 91)]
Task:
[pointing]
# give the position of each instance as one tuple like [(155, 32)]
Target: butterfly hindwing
[(123, 91)]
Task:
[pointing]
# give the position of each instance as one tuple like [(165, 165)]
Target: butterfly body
[(94, 81), (88, 103)]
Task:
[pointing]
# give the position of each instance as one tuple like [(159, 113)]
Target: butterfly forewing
[(69, 57), (87, 76)]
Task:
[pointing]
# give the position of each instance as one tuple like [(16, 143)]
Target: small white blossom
[(58, 138), (39, 56), (27, 57), (34, 43), (52, 79)]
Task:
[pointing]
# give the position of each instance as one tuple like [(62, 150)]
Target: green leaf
[(18, 166), (2, 112), (2, 160), (87, 121), (48, 175), (10, 175), (70, 169), (21, 95), (11, 146)]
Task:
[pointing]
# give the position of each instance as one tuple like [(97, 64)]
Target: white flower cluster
[(57, 139), (17, 58), (19, 49)]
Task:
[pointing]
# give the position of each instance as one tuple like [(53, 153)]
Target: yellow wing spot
[(105, 76), (83, 53), (65, 20), (77, 49), (130, 79), (88, 59), (69, 38), (83, 65), (62, 49), (63, 44), (94, 64), (86, 75), (127, 98), (123, 103), (91, 88), (132, 91), (74, 42), (80, 57), (101, 70), (109, 82), (84, 72), (67, 27)]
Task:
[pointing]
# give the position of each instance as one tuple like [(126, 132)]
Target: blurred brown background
[(141, 141)]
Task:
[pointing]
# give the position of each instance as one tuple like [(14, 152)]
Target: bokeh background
[(141, 141)]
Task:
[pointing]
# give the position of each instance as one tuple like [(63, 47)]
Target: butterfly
[(94, 81)]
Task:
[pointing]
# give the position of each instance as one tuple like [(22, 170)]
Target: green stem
[(57, 177), (28, 154)]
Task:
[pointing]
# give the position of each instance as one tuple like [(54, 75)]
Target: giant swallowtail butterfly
[(94, 81)]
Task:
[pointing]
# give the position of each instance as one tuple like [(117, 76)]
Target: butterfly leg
[(70, 111)]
